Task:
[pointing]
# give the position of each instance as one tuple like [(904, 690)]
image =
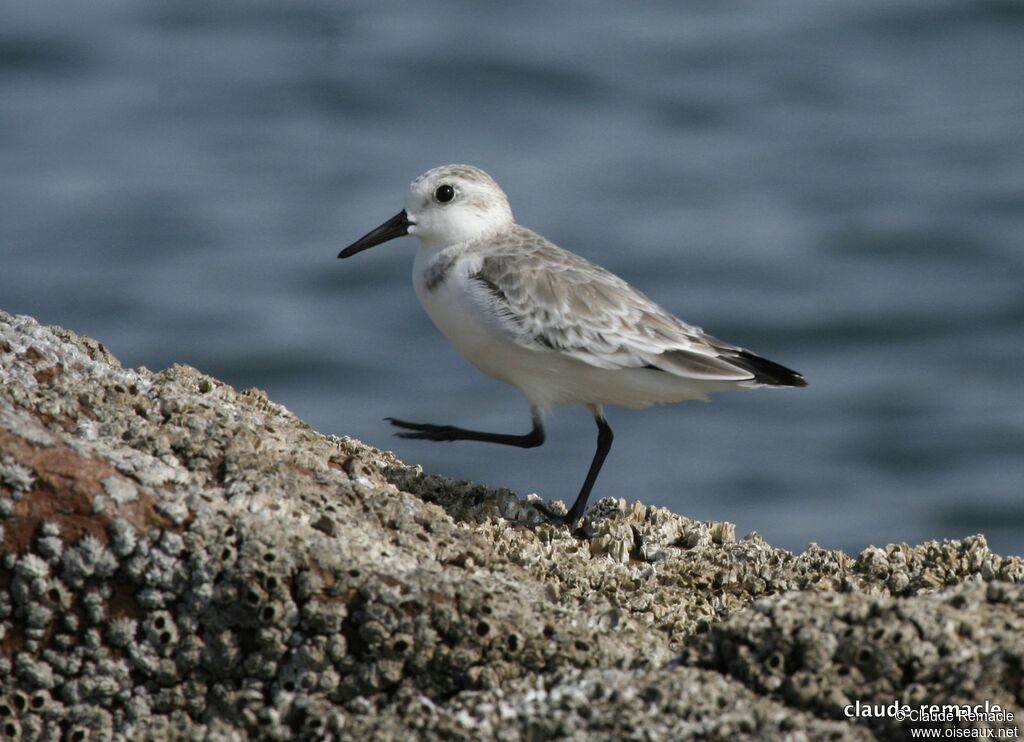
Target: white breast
[(458, 314)]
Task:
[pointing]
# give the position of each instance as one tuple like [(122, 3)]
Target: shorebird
[(547, 321)]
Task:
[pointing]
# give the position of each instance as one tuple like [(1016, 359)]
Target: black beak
[(396, 226)]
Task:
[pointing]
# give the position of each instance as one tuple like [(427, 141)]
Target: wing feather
[(550, 299)]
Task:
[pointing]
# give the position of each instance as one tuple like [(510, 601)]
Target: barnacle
[(87, 558), (121, 631), (123, 537), (161, 631), (16, 477)]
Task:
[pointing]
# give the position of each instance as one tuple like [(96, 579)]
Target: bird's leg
[(428, 432), (604, 445)]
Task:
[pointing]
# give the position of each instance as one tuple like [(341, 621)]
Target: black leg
[(428, 432), (604, 445)]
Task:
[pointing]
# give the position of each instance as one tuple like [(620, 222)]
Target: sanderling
[(559, 328)]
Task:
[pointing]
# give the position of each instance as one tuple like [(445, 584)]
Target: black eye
[(444, 193)]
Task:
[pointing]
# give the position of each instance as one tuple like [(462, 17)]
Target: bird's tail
[(766, 372)]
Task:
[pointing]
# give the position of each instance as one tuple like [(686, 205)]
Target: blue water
[(837, 186)]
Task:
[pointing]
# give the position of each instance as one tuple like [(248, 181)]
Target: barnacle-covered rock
[(181, 559), (822, 651)]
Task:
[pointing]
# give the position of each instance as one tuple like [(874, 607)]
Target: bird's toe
[(555, 516)]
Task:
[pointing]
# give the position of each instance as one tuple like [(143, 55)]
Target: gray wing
[(549, 298)]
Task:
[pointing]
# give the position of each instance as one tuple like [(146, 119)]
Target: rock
[(179, 558)]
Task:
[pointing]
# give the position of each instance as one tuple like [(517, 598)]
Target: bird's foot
[(555, 517), (426, 431)]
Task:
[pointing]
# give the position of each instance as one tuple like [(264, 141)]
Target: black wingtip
[(767, 372)]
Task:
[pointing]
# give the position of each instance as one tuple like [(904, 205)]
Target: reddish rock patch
[(66, 487)]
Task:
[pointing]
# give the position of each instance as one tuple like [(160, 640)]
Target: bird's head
[(444, 206)]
